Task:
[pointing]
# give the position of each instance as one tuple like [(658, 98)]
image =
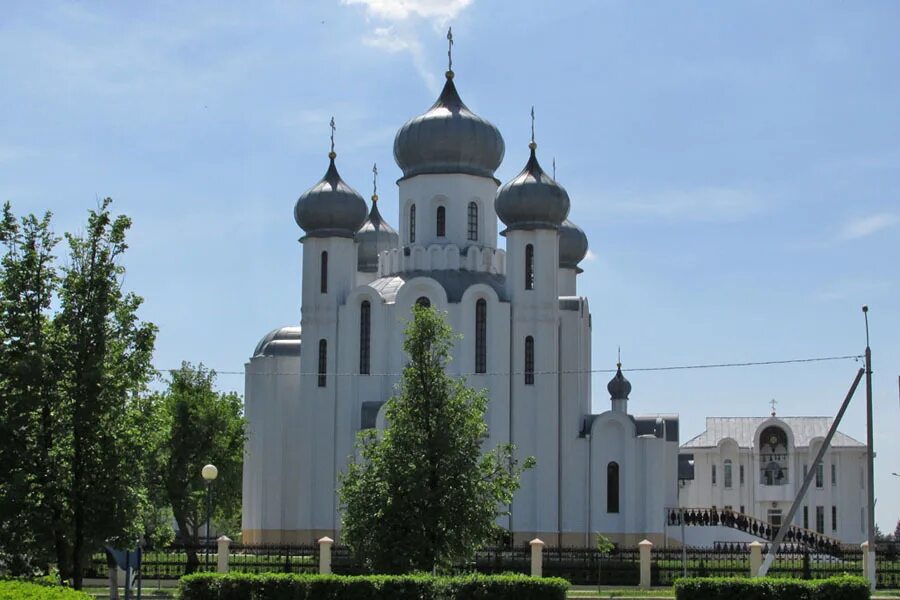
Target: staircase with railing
[(711, 517)]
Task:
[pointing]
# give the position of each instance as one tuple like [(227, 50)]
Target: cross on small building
[(773, 402)]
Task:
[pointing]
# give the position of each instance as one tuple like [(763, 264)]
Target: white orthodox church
[(526, 340)]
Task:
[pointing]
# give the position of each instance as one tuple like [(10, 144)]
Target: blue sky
[(735, 166)]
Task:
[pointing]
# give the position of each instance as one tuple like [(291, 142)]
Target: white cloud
[(865, 226), (386, 38), (399, 24), (590, 256), (708, 204), (440, 12)]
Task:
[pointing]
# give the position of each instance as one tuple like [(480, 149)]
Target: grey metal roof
[(532, 199), (375, 236), (618, 387), (573, 245), (331, 208), (448, 138), (656, 425), (455, 283), (742, 430), (284, 341)]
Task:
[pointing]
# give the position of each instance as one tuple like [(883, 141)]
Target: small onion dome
[(532, 199), (573, 245), (618, 387), (374, 237), (331, 208), (279, 342), (448, 138)]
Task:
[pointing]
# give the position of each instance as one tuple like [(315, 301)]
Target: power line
[(576, 371)]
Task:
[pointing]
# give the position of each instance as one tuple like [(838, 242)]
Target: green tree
[(103, 362), (897, 532), (423, 495), (30, 508), (197, 425)]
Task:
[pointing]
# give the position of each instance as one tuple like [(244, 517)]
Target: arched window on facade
[(728, 473), (412, 224), (473, 221), (529, 360), (441, 220), (481, 336), (423, 301), (612, 487), (529, 267), (323, 273), (323, 362), (365, 336)]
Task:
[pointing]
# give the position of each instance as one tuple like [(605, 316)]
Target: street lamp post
[(681, 482), (209, 472)]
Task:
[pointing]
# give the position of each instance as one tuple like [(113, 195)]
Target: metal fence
[(581, 566)]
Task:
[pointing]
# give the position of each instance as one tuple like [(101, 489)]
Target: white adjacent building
[(526, 340), (756, 465)]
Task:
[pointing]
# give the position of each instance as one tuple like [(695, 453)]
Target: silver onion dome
[(573, 245), (284, 341), (448, 138), (618, 387), (532, 199), (331, 208), (375, 236)]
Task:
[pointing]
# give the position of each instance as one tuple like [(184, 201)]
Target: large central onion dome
[(331, 208), (532, 199), (573, 245), (374, 237), (448, 138)]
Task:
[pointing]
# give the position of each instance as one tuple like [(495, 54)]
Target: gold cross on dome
[(332, 133), (450, 49), (375, 181)]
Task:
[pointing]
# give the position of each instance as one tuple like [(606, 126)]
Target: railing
[(253, 558), (708, 517), (770, 477), (581, 566)]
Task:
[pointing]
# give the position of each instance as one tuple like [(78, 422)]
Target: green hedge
[(25, 590), (245, 586), (728, 588)]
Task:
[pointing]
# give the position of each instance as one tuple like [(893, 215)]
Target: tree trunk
[(190, 543)]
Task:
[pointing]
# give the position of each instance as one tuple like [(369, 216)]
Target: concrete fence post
[(223, 554), (865, 561), (325, 544), (644, 547), (537, 558), (755, 558)]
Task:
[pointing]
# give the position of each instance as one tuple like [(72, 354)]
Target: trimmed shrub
[(25, 590), (727, 588), (241, 586)]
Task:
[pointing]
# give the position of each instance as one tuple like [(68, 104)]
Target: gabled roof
[(743, 429)]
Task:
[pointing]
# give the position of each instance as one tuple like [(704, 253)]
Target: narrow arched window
[(323, 273), (423, 301), (323, 362), (529, 267), (365, 336), (412, 224), (441, 221), (481, 336), (612, 487), (529, 360), (728, 473), (473, 221)]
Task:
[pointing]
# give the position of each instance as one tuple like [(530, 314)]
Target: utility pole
[(870, 456)]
